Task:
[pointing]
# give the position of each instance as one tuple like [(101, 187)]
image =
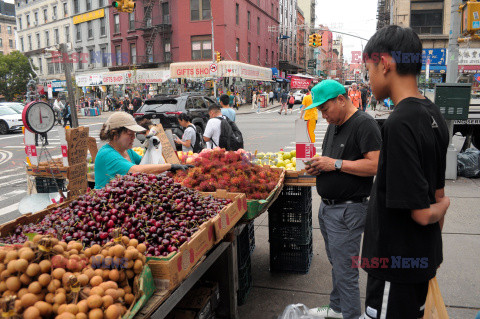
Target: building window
[(28, 20), (1, 43), (35, 18), (65, 9), (100, 3), (47, 38), (54, 13), (75, 6), (272, 11), (131, 21), (80, 58), (248, 20), (165, 13), (67, 34), (10, 43), (19, 24), (102, 27), (237, 14), (116, 26), (118, 55), (147, 17), (167, 50), (9, 29), (249, 52), (237, 49), (50, 67), (133, 53), (258, 25), (57, 36), (201, 47), (91, 56), (266, 56), (104, 57), (21, 44), (30, 43), (90, 29), (40, 66), (89, 5), (427, 22), (258, 55), (45, 16), (273, 60), (78, 36), (149, 50), (200, 10)]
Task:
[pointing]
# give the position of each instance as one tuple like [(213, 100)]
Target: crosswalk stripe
[(13, 170), (12, 194), (7, 176), (14, 182), (9, 209)]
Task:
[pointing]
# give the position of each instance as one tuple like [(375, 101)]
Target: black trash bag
[(468, 163)]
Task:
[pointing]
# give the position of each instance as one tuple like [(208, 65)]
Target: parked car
[(10, 120), (16, 106), (164, 110), (298, 95)]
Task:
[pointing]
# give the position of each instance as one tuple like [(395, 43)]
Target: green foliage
[(14, 75)]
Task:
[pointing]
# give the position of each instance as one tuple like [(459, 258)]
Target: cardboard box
[(198, 300)]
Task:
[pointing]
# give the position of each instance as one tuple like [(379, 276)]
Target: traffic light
[(470, 17), (311, 40), (219, 56), (319, 40), (118, 4), (128, 6)]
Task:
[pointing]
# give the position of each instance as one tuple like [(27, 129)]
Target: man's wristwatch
[(338, 165)]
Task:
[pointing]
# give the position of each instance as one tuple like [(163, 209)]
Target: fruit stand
[(192, 233)]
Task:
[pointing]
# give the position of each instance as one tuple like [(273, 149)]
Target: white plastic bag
[(153, 155), (297, 311)]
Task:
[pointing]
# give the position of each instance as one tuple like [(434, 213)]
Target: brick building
[(7, 34), (301, 41)]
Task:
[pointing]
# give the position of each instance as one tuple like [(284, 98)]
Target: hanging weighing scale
[(38, 117)]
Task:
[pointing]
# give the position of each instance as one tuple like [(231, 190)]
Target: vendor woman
[(117, 157)]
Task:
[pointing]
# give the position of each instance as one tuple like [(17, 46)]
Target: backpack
[(231, 138), (199, 142), (291, 100)]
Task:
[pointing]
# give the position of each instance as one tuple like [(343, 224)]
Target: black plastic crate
[(290, 257), (243, 246), (290, 224), (251, 236), (48, 185), (244, 281), (297, 197)]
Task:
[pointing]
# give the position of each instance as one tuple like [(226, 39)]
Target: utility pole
[(452, 75), (68, 79)]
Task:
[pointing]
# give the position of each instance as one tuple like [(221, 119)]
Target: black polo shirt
[(411, 168), (360, 134)]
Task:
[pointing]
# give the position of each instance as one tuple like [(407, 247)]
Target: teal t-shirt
[(228, 112), (110, 163)]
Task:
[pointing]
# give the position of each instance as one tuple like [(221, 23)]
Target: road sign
[(312, 64), (213, 68)]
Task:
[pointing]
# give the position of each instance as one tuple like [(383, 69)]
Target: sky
[(358, 17)]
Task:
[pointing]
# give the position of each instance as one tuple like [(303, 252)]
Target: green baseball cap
[(324, 91)]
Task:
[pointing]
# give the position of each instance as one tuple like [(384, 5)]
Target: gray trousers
[(342, 227)]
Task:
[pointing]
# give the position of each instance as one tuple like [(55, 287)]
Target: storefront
[(434, 69)]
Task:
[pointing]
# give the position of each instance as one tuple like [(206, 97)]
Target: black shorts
[(290, 106), (390, 300)]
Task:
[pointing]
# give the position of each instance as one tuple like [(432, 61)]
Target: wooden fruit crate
[(300, 178)]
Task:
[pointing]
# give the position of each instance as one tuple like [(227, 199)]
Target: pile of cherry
[(150, 208)]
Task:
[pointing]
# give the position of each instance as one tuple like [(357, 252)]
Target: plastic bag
[(468, 163), (434, 305), (153, 155), (297, 311)]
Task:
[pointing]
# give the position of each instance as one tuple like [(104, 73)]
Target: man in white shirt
[(58, 108), (213, 129)]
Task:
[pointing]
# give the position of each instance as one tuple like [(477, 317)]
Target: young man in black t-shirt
[(402, 245)]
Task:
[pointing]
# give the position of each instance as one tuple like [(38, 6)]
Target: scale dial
[(38, 117)]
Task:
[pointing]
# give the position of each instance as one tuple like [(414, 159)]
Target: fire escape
[(154, 27), (383, 13)]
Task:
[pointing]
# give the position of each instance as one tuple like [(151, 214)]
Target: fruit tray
[(300, 178), (258, 207)]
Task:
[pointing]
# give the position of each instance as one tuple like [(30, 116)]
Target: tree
[(15, 72)]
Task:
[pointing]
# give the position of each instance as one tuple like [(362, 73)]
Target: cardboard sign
[(63, 146), (77, 178), (77, 141), (92, 147), (168, 151)]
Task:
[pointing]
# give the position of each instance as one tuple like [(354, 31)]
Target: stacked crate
[(290, 230), (245, 247)]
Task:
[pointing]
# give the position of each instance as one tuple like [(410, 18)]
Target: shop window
[(200, 10), (201, 47)]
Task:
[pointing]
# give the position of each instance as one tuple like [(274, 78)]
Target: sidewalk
[(247, 108), (458, 277)]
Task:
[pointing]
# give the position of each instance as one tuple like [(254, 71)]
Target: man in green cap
[(344, 173)]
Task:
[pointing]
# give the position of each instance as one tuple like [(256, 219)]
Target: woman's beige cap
[(123, 119)]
